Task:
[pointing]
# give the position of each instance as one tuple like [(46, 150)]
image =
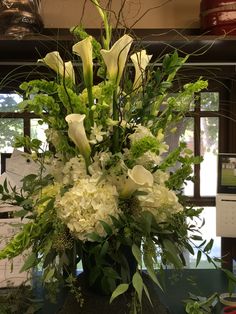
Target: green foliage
[(147, 143), (19, 300), (78, 212), (200, 305)]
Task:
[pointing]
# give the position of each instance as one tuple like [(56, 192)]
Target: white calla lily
[(54, 61), (137, 177), (116, 57), (84, 49), (140, 60), (78, 135)]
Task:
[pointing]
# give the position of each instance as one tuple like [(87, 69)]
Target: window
[(13, 123), (201, 131)]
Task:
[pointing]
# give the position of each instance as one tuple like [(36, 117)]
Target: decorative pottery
[(20, 17), (218, 17)]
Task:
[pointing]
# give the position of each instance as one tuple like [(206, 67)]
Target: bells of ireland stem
[(116, 57), (137, 177), (54, 61), (140, 61), (84, 50), (77, 134)]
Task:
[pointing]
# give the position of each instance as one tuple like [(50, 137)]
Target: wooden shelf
[(203, 48)]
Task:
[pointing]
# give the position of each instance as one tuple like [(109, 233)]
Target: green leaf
[(5, 186), (199, 255), (106, 227), (94, 237), (122, 288), (30, 262), (137, 282), (209, 245), (189, 248), (104, 248), (110, 272), (116, 223), (147, 221), (49, 274), (137, 254), (94, 273), (147, 293), (150, 269), (172, 253)]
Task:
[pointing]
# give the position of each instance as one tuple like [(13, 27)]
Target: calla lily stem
[(91, 103), (115, 115), (103, 14)]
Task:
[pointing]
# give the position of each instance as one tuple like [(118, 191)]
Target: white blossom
[(85, 204)]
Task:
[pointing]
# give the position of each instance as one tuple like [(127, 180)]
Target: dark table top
[(177, 286)]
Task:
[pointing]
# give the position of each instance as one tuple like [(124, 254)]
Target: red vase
[(218, 17)]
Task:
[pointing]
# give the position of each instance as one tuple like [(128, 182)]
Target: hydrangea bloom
[(85, 205)]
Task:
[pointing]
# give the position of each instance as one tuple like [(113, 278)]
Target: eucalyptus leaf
[(150, 269), (122, 288), (137, 282), (172, 252), (137, 254)]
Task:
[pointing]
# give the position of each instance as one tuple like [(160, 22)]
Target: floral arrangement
[(108, 190)]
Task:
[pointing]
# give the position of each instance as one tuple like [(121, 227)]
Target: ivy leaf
[(122, 288)]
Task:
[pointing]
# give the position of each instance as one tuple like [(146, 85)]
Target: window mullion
[(197, 148)]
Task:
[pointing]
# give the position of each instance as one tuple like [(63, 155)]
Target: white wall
[(174, 14)]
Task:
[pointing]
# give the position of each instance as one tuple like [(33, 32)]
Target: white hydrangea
[(161, 202), (74, 170), (56, 167), (160, 177), (53, 136), (99, 161), (84, 205), (149, 160)]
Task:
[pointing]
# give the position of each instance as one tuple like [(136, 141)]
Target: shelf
[(203, 48)]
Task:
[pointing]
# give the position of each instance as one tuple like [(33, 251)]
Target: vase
[(218, 17), (103, 272), (20, 17), (99, 278), (96, 303)]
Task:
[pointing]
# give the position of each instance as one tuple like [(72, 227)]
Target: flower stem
[(115, 116), (90, 103), (104, 16)]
